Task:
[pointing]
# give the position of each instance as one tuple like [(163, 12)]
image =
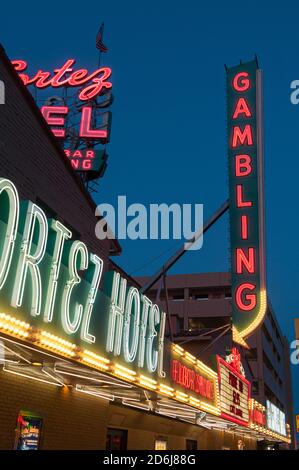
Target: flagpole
[(99, 60)]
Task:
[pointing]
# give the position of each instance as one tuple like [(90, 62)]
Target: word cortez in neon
[(96, 82)]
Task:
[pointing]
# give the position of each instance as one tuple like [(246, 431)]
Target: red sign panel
[(189, 379)]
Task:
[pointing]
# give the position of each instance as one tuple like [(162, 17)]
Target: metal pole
[(173, 259), (215, 340), (167, 308)]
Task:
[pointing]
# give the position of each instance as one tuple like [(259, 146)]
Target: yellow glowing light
[(206, 369), (189, 357), (96, 356), (13, 326), (181, 396), (194, 401), (210, 409), (166, 390), (147, 379), (147, 382), (238, 336), (124, 369), (124, 372), (178, 349), (90, 358), (95, 363), (56, 343)]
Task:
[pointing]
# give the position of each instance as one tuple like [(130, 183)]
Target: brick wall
[(76, 421), (70, 420)]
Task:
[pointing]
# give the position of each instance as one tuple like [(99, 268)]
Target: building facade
[(199, 306), (73, 374)]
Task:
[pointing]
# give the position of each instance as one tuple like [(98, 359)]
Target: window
[(197, 323), (191, 444), (160, 444), (200, 297), (116, 439), (180, 323), (178, 298), (255, 388)]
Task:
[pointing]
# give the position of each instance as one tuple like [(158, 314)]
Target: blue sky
[(168, 134)]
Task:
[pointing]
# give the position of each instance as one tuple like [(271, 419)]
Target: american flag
[(99, 40)]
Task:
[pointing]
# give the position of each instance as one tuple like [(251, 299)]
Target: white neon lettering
[(11, 231), (131, 330), (161, 372), (151, 354), (98, 262), (71, 326), (116, 314), (143, 325), (35, 226), (62, 235)]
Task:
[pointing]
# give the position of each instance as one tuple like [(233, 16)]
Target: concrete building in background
[(200, 314)]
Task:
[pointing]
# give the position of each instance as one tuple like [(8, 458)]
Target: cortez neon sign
[(96, 82), (245, 155), (50, 281), (91, 85)]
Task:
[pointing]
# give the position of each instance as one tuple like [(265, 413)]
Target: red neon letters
[(240, 83), (189, 379), (96, 81), (245, 260), (244, 300), (243, 165), (50, 114), (81, 160), (242, 137), (245, 295), (85, 130), (241, 108), (48, 111), (258, 417)]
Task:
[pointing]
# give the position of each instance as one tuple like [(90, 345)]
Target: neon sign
[(276, 420), (86, 159), (192, 380), (190, 376), (55, 116), (234, 393), (136, 327), (245, 153), (96, 82), (49, 286), (257, 414)]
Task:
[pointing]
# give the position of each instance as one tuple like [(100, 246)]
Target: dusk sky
[(168, 140)]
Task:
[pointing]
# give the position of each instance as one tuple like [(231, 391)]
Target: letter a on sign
[(246, 194)]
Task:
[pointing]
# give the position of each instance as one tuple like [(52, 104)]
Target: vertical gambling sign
[(246, 194)]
